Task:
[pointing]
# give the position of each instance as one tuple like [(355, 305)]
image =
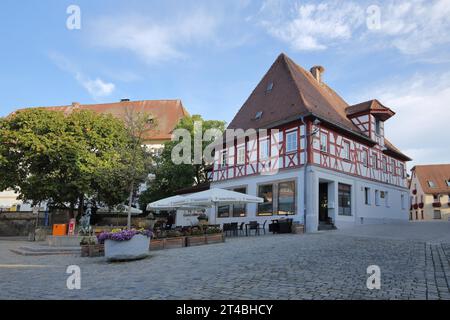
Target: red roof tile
[(167, 112)]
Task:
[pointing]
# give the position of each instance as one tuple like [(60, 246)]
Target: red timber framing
[(355, 165), (332, 159), (279, 158)]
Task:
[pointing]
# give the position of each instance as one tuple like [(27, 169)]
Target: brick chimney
[(317, 71)]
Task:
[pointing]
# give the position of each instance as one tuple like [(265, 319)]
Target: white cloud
[(420, 125), (311, 26), (154, 41), (412, 27), (97, 87)]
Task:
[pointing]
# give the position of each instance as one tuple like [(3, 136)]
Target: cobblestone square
[(326, 265)]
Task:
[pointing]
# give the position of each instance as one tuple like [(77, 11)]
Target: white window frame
[(291, 141), (223, 159), (240, 159), (265, 143), (377, 198), (365, 157), (345, 154), (323, 144)]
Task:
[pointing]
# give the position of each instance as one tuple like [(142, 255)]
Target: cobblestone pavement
[(328, 265)]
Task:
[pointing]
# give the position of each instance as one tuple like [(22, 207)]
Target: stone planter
[(215, 238), (133, 249)]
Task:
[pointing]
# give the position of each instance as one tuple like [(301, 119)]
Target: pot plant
[(126, 244)]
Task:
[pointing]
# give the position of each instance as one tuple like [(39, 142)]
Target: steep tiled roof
[(394, 151), (295, 92), (287, 91), (167, 113), (438, 173)]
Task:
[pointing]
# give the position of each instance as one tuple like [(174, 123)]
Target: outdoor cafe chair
[(253, 225)]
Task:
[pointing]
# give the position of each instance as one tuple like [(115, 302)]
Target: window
[(224, 159), (431, 184), (265, 192), (286, 198), (344, 199), (437, 214), (264, 149), (291, 141), (393, 171), (241, 155), (346, 150), (269, 87), (223, 211), (258, 115), (374, 161), (377, 126), (364, 158), (448, 183), (377, 197), (240, 210), (367, 196), (402, 170), (323, 142), (384, 164)]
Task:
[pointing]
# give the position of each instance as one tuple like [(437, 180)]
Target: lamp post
[(307, 145)]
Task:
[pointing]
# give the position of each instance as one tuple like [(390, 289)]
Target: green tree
[(49, 156), (170, 177)]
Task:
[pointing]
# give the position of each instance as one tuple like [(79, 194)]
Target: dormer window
[(269, 87), (258, 115), (431, 184), (377, 126), (448, 182)]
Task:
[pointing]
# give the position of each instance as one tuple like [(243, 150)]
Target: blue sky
[(211, 54)]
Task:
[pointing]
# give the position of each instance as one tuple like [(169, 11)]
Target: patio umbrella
[(216, 197), (170, 204)]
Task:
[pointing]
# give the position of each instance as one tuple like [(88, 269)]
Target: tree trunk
[(72, 210), (80, 205), (130, 200)]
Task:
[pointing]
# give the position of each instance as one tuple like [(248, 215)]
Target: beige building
[(166, 112), (430, 192)]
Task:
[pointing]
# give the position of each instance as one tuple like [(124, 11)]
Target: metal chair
[(234, 228), (253, 225), (263, 227), (241, 228)]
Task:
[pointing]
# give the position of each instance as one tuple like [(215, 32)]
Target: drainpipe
[(302, 118)]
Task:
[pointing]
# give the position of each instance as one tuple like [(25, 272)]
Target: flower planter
[(414, 191), (215, 238), (415, 206), (176, 242), (157, 244), (195, 241), (133, 249), (421, 205)]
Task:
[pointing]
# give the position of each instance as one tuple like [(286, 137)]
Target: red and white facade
[(352, 175)]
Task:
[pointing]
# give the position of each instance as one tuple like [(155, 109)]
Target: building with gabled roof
[(353, 173), (430, 192), (167, 114)]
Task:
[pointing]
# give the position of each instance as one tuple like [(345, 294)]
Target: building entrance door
[(323, 202)]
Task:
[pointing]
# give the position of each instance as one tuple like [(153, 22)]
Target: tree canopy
[(170, 177), (49, 156)]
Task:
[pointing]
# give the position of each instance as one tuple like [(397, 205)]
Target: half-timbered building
[(314, 158)]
